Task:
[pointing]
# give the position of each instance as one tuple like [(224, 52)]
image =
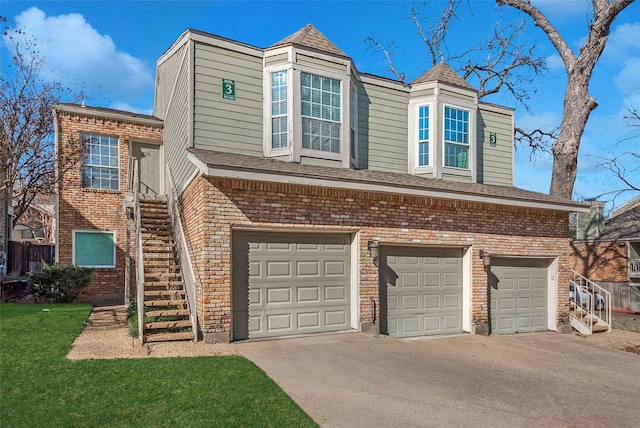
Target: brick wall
[(221, 204), (600, 261), (92, 209)]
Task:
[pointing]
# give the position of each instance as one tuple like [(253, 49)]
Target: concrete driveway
[(538, 379)]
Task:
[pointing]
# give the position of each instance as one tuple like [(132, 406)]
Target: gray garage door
[(287, 283), (420, 291), (518, 290)]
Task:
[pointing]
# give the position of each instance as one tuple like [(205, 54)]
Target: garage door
[(420, 291), (287, 284), (518, 290)]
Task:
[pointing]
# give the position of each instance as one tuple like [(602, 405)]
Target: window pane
[(321, 113), (94, 249), (279, 110), (456, 156), (100, 161)]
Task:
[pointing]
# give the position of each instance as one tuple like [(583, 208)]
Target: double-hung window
[(321, 113), (456, 138), (100, 166), (423, 136), (279, 107)]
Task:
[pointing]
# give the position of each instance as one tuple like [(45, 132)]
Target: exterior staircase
[(590, 306), (166, 311)]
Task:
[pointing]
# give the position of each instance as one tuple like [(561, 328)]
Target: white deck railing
[(591, 303), (186, 266), (139, 253)]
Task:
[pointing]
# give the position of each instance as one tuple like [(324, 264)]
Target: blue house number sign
[(228, 89)]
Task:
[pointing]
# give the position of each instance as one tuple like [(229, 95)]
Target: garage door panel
[(308, 294), (285, 283), (308, 320), (425, 297), (431, 301), (519, 304), (335, 268), (335, 318), (410, 302), (278, 269)]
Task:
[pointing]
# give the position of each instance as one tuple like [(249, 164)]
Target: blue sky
[(108, 49)]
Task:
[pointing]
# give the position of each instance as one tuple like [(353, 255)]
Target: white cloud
[(84, 59), (627, 80), (623, 42), (127, 107), (554, 62)]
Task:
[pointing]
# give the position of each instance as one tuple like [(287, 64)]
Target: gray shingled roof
[(310, 37), (460, 191), (625, 226), (442, 73), (106, 112)]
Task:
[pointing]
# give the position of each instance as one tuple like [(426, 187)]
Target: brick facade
[(212, 208), (91, 209), (602, 261)]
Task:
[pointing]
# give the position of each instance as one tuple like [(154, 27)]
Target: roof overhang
[(253, 174)]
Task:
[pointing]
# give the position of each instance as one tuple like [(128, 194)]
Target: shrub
[(132, 318), (56, 283)]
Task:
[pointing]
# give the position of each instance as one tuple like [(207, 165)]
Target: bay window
[(279, 107), (321, 113), (423, 136)]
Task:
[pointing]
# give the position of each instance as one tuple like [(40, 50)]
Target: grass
[(40, 387)]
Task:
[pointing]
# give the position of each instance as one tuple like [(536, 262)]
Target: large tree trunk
[(578, 105)]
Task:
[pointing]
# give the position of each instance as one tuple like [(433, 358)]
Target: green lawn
[(39, 387)]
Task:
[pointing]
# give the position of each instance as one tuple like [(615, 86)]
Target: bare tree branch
[(388, 56)]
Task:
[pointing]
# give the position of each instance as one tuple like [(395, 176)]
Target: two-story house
[(316, 198)]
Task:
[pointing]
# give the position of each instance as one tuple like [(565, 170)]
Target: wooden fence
[(23, 258)]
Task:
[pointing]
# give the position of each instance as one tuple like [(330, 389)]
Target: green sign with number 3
[(228, 89)]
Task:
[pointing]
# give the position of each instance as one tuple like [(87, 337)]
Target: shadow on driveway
[(354, 380)]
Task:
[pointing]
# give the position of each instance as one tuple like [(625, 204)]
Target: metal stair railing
[(186, 265), (597, 307)]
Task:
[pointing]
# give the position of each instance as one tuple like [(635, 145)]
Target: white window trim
[(268, 151), (294, 123), (353, 106), (83, 164), (467, 172), (73, 247), (414, 134)]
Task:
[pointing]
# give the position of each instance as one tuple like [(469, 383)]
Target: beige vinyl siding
[(282, 58), (320, 162), (422, 93), (165, 80), (233, 126), (457, 178), (176, 124), (382, 128), (459, 96), (319, 63), (495, 164)]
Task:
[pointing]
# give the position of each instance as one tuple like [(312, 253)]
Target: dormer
[(442, 117), (310, 101)]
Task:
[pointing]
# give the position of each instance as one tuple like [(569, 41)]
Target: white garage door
[(518, 290), (420, 291), (286, 283)]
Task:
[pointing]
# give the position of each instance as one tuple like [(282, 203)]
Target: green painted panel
[(94, 249)]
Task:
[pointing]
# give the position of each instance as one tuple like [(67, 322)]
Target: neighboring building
[(608, 252), (316, 198)]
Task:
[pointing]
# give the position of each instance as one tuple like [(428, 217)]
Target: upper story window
[(279, 110), (321, 113), (456, 138), (100, 167), (423, 136)]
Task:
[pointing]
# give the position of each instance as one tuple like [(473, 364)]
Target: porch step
[(171, 302), (168, 324), (164, 284), (167, 313), (156, 293), (169, 337)]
